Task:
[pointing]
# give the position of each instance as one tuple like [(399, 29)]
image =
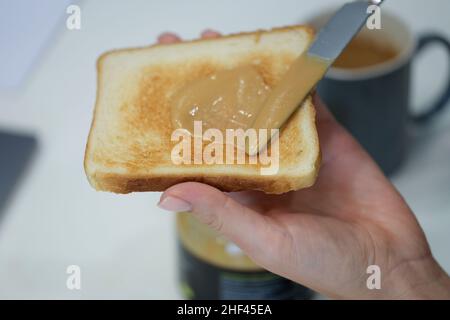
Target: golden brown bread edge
[(124, 183), (127, 184)]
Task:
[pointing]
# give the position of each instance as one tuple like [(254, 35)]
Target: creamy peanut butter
[(239, 98), (228, 99)]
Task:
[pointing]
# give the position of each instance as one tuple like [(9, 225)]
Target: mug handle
[(424, 42)]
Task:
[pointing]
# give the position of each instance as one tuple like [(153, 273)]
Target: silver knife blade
[(327, 46), (341, 29)]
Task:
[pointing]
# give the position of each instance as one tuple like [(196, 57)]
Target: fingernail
[(168, 37), (174, 204), (209, 33)]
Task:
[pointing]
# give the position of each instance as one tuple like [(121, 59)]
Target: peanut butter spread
[(239, 99)]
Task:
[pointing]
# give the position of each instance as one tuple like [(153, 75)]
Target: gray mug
[(373, 102)]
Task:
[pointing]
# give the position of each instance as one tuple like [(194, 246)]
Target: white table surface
[(125, 245)]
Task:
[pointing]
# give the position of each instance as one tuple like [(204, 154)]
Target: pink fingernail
[(209, 33), (170, 203), (168, 37)]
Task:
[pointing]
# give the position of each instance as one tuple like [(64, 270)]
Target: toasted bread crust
[(308, 29), (127, 182)]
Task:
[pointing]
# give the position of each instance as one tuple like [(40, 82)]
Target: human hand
[(326, 236)]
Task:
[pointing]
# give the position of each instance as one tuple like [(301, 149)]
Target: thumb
[(248, 229)]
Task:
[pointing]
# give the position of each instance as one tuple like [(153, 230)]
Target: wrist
[(418, 279)]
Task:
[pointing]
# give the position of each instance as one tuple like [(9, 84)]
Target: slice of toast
[(129, 145)]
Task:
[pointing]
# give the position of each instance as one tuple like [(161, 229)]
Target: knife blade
[(312, 65), (341, 29)]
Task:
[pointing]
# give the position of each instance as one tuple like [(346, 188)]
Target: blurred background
[(51, 218)]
